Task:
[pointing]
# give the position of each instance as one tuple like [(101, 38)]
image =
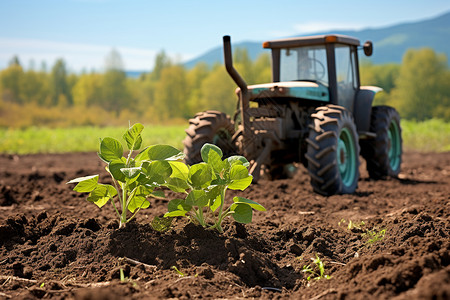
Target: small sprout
[(373, 236), (352, 225), (317, 271), (42, 285), (122, 276), (181, 274), (125, 279)]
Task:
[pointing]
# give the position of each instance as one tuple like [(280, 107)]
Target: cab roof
[(312, 41)]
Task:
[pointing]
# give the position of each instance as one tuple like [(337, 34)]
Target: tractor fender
[(362, 107)]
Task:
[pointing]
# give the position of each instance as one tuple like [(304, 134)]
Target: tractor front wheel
[(212, 127), (383, 154), (333, 151)]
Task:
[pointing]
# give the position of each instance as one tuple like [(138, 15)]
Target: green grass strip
[(432, 135), (80, 139), (428, 136)]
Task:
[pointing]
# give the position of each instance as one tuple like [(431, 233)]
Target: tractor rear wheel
[(333, 151), (383, 154), (212, 127)]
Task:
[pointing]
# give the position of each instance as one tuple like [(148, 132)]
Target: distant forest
[(418, 87)]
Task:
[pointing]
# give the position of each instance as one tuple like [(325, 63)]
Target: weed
[(181, 274), (352, 225), (373, 236), (317, 271)]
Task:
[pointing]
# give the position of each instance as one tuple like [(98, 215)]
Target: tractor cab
[(319, 68)]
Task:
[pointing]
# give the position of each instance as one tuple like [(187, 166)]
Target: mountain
[(390, 43)]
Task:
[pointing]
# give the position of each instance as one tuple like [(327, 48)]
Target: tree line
[(418, 87)]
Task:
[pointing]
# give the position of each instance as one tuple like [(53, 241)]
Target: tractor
[(314, 112)]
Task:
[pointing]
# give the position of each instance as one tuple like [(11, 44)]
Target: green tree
[(11, 81), (171, 93), (35, 87), (195, 77), (244, 65), (422, 85), (262, 69), (162, 61), (14, 61), (87, 90), (218, 91), (59, 87), (114, 89)]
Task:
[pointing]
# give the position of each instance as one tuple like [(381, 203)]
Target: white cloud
[(315, 27), (76, 55)]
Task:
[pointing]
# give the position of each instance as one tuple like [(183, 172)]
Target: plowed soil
[(55, 244)]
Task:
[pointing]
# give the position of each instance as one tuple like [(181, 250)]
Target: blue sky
[(83, 32)]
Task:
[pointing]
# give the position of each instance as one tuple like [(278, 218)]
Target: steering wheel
[(316, 65)]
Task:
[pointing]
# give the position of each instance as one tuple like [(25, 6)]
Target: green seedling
[(317, 271), (206, 184), (351, 225), (122, 276), (373, 236), (181, 274), (134, 179)]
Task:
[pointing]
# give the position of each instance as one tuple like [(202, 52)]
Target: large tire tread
[(202, 129), (322, 148), (376, 151)]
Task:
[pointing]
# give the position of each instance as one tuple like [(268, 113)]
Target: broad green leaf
[(158, 194), (80, 179), (138, 202), (142, 156), (133, 136), (115, 167), (161, 224), (101, 194), (159, 152), (215, 160), (241, 184), (139, 199), (216, 203), (197, 198), (179, 170), (110, 149), (158, 171), (178, 205), (207, 148), (214, 196), (175, 213), (200, 175), (240, 179), (236, 160), (252, 204), (238, 172), (176, 184), (131, 172), (85, 184), (242, 213), (220, 181)]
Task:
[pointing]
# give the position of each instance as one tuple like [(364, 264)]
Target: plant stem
[(218, 224), (201, 217), (118, 194), (123, 219)]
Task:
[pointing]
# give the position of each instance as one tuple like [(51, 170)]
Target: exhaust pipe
[(229, 64)]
